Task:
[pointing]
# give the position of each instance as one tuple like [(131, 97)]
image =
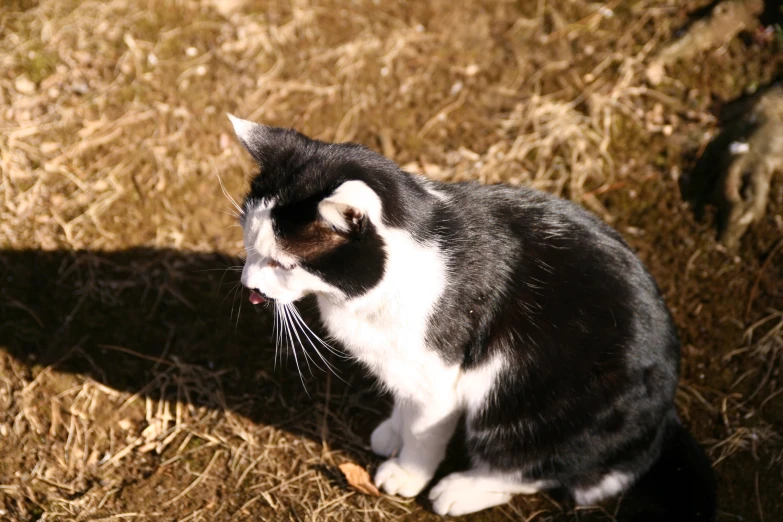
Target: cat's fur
[(518, 312)]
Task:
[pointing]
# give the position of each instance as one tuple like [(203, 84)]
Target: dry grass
[(115, 104), (112, 133)]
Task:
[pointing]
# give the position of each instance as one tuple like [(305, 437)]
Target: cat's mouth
[(256, 297)]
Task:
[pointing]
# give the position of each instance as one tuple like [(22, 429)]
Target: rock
[(24, 85)]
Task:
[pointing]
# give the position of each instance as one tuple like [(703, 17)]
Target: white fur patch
[(243, 128), (476, 489), (398, 480), (475, 385), (611, 484), (425, 430), (437, 193), (385, 329)]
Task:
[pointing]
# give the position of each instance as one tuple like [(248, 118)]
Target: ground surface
[(133, 385)]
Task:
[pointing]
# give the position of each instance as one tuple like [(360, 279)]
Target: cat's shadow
[(126, 317)]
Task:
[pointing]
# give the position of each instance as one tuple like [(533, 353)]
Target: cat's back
[(558, 278), (528, 214)]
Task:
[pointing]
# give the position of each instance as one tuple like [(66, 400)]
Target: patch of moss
[(40, 63)]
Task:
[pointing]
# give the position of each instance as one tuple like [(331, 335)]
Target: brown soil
[(137, 383)]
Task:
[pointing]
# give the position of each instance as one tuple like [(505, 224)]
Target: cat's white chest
[(394, 348), (386, 328)]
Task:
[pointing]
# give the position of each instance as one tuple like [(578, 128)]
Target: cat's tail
[(680, 486)]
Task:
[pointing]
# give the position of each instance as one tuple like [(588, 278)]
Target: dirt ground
[(136, 383)]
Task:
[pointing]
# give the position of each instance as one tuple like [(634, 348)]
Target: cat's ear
[(350, 207), (257, 139), (344, 218)]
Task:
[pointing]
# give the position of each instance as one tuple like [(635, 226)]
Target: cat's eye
[(274, 264)]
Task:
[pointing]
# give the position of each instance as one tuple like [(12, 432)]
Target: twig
[(758, 499), (195, 482), (137, 354)]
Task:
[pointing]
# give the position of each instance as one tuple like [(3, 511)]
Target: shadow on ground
[(121, 316)]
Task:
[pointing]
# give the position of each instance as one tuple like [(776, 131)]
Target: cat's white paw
[(385, 440), (460, 494), (396, 480)]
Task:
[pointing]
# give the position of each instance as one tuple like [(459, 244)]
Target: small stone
[(225, 141), (24, 85), (739, 147), (80, 87), (49, 147)]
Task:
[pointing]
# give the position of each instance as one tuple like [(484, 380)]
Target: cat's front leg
[(425, 430), (386, 439)]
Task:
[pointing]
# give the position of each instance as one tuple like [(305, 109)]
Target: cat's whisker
[(231, 291), (283, 331), (326, 345), (237, 288), (276, 333), (225, 193), (292, 348), (299, 322), (239, 312), (220, 285), (228, 213), (331, 367), (308, 358), (295, 323)]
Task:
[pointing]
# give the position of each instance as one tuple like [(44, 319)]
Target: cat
[(517, 312)]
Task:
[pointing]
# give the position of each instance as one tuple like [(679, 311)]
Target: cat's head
[(313, 218)]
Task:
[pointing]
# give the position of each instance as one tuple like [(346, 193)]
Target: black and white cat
[(518, 312)]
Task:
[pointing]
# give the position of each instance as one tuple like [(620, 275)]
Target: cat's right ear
[(257, 139)]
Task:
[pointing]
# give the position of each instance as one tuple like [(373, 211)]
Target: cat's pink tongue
[(256, 298)]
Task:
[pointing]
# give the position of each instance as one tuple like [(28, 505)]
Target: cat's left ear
[(351, 207), (257, 139)]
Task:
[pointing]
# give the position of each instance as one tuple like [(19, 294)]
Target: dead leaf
[(359, 479)]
